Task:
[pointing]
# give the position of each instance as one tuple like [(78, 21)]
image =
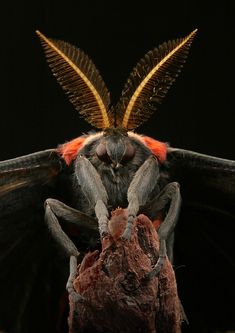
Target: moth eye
[(102, 154), (129, 153)]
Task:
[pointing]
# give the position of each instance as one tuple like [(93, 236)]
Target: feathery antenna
[(150, 80), (80, 79)]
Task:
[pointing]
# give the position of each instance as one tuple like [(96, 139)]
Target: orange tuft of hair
[(159, 149), (69, 150)]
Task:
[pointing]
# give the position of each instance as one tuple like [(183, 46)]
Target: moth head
[(115, 147)]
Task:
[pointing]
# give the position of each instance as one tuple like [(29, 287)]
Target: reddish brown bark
[(118, 297)]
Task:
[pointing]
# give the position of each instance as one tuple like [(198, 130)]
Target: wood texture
[(118, 297)]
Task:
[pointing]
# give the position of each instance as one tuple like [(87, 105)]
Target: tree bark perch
[(118, 296)]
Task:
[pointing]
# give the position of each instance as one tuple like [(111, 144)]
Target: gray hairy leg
[(170, 246), (94, 190), (55, 209), (76, 297), (170, 195), (60, 237), (71, 215), (86, 225), (141, 186)]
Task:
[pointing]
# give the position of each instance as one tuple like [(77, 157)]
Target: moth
[(56, 203)]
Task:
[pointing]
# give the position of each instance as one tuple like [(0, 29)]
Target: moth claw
[(126, 235), (157, 269), (104, 234), (76, 297)]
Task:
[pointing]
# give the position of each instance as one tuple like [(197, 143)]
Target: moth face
[(115, 149)]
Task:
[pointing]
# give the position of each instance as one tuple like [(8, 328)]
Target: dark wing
[(28, 284), (205, 239)]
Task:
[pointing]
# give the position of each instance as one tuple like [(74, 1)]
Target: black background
[(198, 112)]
